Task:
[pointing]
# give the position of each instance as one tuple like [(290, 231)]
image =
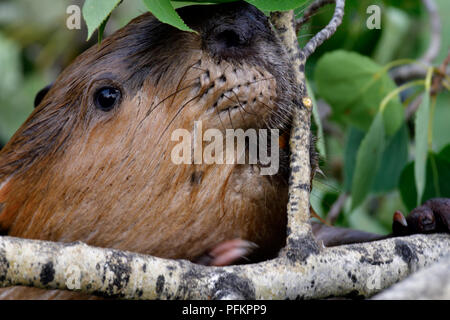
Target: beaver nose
[(228, 41), (228, 30), (229, 38)]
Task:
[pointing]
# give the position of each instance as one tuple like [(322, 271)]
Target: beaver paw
[(227, 253), (431, 217)]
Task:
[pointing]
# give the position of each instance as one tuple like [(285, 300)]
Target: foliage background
[(35, 46)]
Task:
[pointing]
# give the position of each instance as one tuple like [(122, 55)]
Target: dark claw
[(399, 225)]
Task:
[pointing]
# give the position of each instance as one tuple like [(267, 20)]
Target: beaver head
[(93, 161)]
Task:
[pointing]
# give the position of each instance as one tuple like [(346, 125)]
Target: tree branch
[(310, 11), (429, 283), (299, 229), (336, 208), (328, 31), (416, 71), (360, 269)]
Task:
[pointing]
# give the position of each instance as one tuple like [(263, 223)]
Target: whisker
[(220, 119), (170, 95), (239, 102), (176, 115), (229, 116)]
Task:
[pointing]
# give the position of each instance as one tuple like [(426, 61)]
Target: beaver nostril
[(229, 39)]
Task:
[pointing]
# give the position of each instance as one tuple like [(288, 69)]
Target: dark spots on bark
[(47, 273), (189, 281), (406, 251), (303, 186), (4, 265), (296, 169), (230, 283), (291, 180), (302, 68), (352, 277), (160, 285), (300, 249), (354, 295), (97, 266), (301, 56), (359, 249), (118, 263), (372, 261), (139, 293), (144, 268)]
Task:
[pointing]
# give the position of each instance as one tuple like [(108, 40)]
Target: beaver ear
[(41, 95)]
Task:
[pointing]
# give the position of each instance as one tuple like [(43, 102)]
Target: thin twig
[(328, 31), (336, 208), (440, 76), (310, 11), (435, 88), (435, 41), (417, 71), (413, 106)]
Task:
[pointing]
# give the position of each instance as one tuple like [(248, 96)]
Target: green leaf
[(421, 149), (441, 133), (277, 5), (165, 12), (317, 121), (355, 136), (368, 160), (394, 159), (96, 12), (396, 24), (181, 3), (101, 30), (445, 153), (437, 178), (421, 124), (354, 86)]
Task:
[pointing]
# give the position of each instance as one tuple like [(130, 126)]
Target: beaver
[(93, 161)]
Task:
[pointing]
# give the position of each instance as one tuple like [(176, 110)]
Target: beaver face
[(93, 161)]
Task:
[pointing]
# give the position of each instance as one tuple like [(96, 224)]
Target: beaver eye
[(106, 98)]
